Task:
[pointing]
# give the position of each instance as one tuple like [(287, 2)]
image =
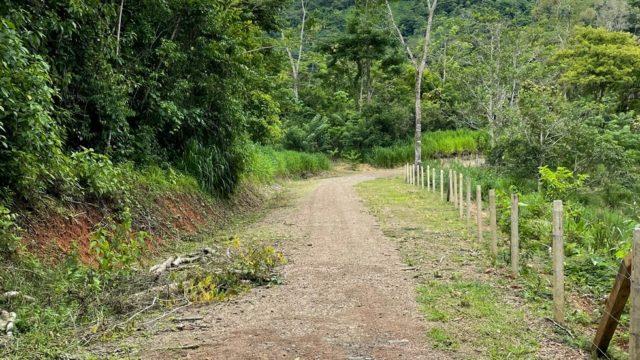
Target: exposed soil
[(53, 234), (345, 294)]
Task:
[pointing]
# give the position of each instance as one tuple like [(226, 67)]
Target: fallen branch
[(182, 347), (180, 261), (153, 303), (166, 314), (157, 270), (560, 326)]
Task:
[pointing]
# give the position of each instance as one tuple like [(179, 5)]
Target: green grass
[(477, 308), (468, 313), (434, 144), (265, 164)]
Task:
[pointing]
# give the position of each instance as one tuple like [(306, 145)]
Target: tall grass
[(434, 144), (265, 164)]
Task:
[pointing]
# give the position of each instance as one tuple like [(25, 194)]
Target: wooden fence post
[(479, 212), (413, 173), (450, 189), (428, 177), (454, 181), (469, 208), (406, 173), (433, 179), (515, 236), (441, 184), (460, 196), (613, 308), (558, 262), (493, 223), (455, 189), (634, 335)]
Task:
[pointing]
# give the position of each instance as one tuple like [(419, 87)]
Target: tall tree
[(294, 61), (419, 64)]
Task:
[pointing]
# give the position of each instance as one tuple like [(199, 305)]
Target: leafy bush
[(97, 176), (30, 145), (116, 247), (560, 184)]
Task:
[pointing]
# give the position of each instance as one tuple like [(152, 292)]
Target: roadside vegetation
[(69, 292), (597, 236), (437, 144)]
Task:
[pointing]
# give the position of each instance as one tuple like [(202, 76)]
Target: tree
[(599, 62), (419, 65), (294, 61)]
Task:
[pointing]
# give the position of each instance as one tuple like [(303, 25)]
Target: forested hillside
[(122, 113), (552, 83)]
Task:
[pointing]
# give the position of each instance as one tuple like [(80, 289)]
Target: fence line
[(627, 283)]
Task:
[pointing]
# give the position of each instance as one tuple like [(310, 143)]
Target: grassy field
[(473, 308)]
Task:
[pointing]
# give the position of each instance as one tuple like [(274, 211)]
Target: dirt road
[(344, 296)]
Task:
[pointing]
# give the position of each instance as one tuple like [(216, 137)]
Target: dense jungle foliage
[(193, 84)]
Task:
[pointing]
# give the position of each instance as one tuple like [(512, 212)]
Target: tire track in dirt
[(344, 295)]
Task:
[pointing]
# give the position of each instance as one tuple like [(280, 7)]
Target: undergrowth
[(73, 304)]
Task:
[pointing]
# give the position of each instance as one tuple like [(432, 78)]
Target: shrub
[(30, 146), (97, 176), (560, 184)]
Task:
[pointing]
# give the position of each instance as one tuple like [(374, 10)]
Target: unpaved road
[(344, 296)]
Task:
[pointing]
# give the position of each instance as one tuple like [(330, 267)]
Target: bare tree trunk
[(419, 68), (418, 122), (119, 27), (295, 62)]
